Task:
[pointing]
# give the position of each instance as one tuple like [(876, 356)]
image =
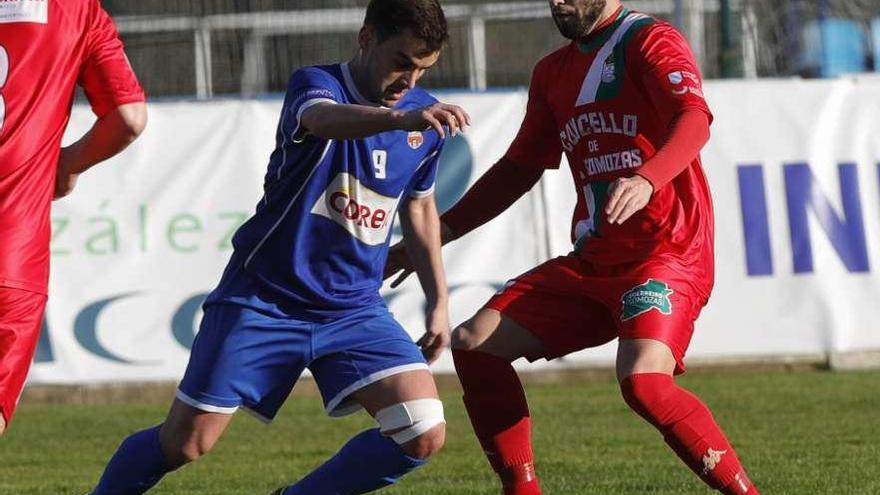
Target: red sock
[(689, 429), (496, 404)]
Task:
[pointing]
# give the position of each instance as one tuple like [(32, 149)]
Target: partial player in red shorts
[(47, 48), (624, 102)]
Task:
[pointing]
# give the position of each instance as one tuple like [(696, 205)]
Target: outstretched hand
[(436, 337), (436, 116)]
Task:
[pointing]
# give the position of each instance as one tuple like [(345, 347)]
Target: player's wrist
[(648, 180), (397, 119), (439, 302)]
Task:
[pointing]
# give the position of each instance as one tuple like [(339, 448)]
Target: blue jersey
[(318, 241)]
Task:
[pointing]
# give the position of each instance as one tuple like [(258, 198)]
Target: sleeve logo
[(36, 11), (685, 82), (676, 78)]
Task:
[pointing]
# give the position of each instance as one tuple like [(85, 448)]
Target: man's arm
[(671, 80), (344, 121), (535, 148), (501, 186), (421, 234), (688, 133), (115, 95), (109, 135)]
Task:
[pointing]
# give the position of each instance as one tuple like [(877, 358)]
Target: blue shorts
[(250, 358)]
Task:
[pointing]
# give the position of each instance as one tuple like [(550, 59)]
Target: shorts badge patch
[(642, 298)]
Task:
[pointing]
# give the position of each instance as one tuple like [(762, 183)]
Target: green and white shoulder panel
[(607, 71)]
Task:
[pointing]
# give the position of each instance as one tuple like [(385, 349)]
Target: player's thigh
[(543, 313), (636, 356), (402, 387), (656, 318), (491, 332), (21, 315), (244, 358), (367, 350)]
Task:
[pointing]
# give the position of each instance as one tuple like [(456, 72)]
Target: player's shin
[(409, 432), (496, 404), (689, 429), (137, 465), (368, 461)]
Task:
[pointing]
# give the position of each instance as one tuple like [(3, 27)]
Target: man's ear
[(365, 36)]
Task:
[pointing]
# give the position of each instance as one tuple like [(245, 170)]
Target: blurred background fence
[(249, 47)]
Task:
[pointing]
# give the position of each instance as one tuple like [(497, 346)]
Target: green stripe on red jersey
[(611, 89), (607, 71), (595, 43)]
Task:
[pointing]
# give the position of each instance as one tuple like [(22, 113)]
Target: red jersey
[(607, 103), (47, 47)]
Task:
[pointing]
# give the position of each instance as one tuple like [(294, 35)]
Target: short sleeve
[(307, 87), (537, 142), (106, 76), (426, 175), (668, 72)]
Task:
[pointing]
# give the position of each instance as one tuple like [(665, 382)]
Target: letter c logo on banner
[(85, 329), (183, 321)]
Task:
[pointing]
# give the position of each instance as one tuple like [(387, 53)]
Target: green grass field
[(803, 432)]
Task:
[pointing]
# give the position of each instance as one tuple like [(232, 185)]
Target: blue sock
[(137, 465), (367, 462)]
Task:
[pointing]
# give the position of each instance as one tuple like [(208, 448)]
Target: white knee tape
[(410, 419)]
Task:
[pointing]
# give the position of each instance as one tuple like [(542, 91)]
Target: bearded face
[(576, 18)]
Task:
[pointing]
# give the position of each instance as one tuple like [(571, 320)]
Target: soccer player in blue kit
[(355, 141)]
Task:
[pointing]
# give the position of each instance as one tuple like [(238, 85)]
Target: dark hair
[(423, 18)]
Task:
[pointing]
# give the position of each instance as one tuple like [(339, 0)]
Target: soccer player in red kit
[(47, 47), (624, 102)]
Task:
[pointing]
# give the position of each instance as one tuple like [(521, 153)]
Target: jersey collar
[(600, 35), (352, 88)]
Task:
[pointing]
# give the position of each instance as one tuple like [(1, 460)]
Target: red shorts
[(21, 315), (570, 304)]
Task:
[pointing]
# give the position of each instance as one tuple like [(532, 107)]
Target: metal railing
[(259, 26)]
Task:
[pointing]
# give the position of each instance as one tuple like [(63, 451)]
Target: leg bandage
[(407, 420)]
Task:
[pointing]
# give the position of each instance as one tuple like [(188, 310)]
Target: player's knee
[(185, 447), (644, 356), (466, 337), (2, 425), (426, 444), (635, 393), (650, 395), (187, 451), (418, 426)]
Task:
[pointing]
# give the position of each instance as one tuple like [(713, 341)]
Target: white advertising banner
[(793, 165)]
